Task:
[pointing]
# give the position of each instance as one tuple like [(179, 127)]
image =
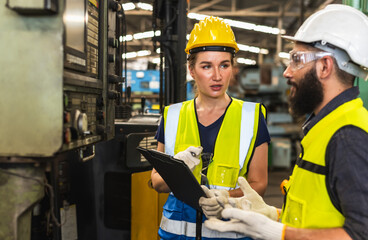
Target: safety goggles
[(298, 59)]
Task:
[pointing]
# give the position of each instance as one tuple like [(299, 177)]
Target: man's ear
[(325, 67)]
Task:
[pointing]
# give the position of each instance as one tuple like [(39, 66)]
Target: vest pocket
[(294, 211), (224, 175)]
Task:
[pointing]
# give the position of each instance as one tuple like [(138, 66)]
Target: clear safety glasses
[(299, 59)]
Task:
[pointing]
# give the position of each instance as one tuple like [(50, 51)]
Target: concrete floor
[(273, 195)]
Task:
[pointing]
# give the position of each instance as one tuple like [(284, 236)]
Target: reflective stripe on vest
[(246, 130), (309, 205), (172, 123), (189, 229)]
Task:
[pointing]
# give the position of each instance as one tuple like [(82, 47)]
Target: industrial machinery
[(68, 167), (117, 200), (60, 63)]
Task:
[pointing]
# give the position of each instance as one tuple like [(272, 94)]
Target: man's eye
[(295, 57)]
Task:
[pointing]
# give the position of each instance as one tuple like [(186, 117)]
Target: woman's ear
[(191, 71)]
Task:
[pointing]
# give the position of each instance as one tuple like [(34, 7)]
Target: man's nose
[(287, 73)]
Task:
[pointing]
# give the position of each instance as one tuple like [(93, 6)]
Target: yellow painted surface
[(146, 208)]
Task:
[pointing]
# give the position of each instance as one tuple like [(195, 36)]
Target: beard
[(308, 94)]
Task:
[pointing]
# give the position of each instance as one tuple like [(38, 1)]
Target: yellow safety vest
[(234, 145), (308, 204)]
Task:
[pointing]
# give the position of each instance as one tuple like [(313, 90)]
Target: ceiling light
[(156, 60), (252, 49), (284, 55), (243, 25), (126, 38), (128, 6), (141, 35), (143, 53), (246, 61), (130, 55), (145, 6)]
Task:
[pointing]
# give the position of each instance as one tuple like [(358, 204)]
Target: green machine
[(362, 5), (60, 65)]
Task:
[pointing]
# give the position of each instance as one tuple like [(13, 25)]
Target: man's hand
[(210, 205), (190, 156), (249, 223), (250, 201)]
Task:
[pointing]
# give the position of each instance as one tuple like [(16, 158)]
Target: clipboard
[(177, 176)]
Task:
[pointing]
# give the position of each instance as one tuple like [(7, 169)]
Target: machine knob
[(67, 117), (67, 136), (115, 6), (82, 123)]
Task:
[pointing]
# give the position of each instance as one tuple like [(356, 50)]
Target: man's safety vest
[(233, 150), (308, 204)]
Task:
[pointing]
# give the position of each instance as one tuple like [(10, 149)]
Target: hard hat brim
[(290, 38)]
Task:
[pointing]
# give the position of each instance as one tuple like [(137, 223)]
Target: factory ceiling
[(277, 14)]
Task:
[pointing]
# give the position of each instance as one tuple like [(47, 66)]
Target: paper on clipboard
[(177, 176)]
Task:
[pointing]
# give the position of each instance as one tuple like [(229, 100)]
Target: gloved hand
[(235, 202), (210, 206), (256, 202), (249, 223), (190, 156)]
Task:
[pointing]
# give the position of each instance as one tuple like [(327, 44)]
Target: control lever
[(128, 92), (143, 103)]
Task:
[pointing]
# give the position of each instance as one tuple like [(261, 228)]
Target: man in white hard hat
[(326, 195)]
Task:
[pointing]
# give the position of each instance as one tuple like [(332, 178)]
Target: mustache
[(290, 83)]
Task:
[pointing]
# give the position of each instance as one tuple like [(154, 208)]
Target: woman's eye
[(225, 66), (206, 66)]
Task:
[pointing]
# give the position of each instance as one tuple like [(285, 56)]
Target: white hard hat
[(343, 27)]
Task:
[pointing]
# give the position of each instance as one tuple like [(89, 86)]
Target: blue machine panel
[(147, 81)]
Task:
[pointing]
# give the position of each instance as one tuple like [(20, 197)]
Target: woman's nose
[(216, 74)]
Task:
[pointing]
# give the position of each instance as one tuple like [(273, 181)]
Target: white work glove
[(235, 202), (256, 202), (210, 205), (249, 223), (190, 156)]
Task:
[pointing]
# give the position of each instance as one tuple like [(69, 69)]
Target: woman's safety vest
[(233, 150), (308, 204)]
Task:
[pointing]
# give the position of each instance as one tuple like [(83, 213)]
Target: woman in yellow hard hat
[(232, 133)]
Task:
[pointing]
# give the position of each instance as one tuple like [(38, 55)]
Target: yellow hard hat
[(211, 34)]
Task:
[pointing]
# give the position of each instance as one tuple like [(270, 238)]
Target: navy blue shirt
[(209, 133), (347, 162)]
